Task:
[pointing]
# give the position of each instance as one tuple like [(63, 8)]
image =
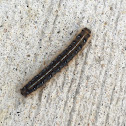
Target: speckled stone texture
[(91, 90)]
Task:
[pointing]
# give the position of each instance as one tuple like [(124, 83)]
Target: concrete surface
[(91, 90)]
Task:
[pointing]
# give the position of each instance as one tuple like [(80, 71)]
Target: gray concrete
[(91, 90)]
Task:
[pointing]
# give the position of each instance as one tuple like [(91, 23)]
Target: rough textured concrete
[(91, 90)]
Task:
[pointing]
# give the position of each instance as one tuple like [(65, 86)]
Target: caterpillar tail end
[(24, 91)]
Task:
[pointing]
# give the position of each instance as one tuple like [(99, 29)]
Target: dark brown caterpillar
[(57, 64)]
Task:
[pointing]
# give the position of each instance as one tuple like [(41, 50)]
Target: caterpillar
[(81, 40)]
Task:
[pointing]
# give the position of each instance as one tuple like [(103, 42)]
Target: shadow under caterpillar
[(81, 40)]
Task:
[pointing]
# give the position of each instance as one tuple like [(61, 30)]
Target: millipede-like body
[(58, 63)]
